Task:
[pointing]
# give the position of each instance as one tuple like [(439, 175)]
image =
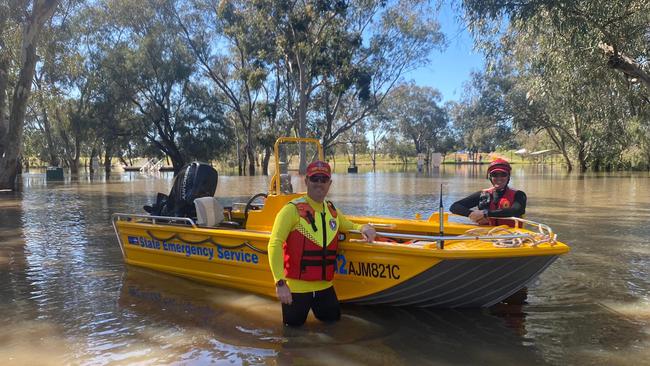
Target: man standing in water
[(302, 250), (495, 202)]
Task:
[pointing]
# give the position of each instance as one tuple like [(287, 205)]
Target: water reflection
[(66, 292), (385, 335)]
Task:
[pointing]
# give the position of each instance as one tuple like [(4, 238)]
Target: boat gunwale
[(378, 247)]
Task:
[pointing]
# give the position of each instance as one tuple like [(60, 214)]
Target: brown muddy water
[(67, 298)]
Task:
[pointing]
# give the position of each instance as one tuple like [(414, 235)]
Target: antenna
[(441, 216)]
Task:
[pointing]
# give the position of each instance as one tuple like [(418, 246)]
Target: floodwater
[(66, 297)]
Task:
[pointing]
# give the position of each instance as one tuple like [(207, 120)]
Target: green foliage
[(576, 71), (152, 66), (482, 119), (417, 116), (396, 148)]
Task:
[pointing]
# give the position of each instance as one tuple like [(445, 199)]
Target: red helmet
[(499, 165)]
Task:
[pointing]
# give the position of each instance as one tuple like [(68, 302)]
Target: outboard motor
[(193, 181)]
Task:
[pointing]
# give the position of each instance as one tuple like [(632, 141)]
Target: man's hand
[(368, 233), (483, 222), (284, 294), (478, 217)]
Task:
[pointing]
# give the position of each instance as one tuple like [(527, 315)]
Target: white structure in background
[(436, 160), (152, 165), (94, 163), (420, 162)]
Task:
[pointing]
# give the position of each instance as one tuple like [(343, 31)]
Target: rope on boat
[(532, 239), (211, 241)]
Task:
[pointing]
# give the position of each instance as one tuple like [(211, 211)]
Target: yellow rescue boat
[(468, 266)]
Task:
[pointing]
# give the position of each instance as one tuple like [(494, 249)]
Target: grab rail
[(154, 219), (544, 234), (541, 228), (445, 238)]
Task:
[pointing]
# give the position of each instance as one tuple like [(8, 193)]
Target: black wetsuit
[(464, 206)]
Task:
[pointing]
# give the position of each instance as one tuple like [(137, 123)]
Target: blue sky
[(450, 69)]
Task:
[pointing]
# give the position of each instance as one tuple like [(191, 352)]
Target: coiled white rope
[(533, 239)]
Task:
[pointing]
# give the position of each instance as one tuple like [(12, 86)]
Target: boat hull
[(463, 283)]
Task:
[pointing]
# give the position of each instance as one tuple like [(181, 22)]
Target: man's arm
[(284, 222), (464, 206), (367, 231), (517, 209)]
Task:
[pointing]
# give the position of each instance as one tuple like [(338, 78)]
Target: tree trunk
[(265, 160), (13, 138), (93, 154), (240, 168), (251, 153), (177, 162), (54, 160), (302, 114), (107, 159), (559, 143), (4, 79), (582, 160)]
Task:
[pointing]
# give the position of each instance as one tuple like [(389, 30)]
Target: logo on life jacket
[(506, 201), (333, 224)]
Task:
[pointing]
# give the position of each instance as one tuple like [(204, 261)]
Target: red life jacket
[(507, 200), (310, 248)]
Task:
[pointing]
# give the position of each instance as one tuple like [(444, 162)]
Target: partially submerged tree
[(23, 20), (149, 59), (418, 116)]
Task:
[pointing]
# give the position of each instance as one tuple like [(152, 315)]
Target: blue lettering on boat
[(168, 246), (236, 255)]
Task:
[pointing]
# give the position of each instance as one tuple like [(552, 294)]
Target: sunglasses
[(498, 175), (319, 179)]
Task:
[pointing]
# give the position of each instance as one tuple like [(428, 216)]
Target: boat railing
[(154, 219), (499, 236), (541, 228)]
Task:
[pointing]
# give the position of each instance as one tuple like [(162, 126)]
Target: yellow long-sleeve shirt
[(285, 222)]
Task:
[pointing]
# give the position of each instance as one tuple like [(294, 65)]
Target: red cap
[(499, 165), (319, 167)]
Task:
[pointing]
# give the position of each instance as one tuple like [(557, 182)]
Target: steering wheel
[(249, 204)]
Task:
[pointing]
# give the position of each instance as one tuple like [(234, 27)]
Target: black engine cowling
[(193, 181)]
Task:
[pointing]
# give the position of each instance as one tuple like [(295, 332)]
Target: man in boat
[(488, 206), (302, 250)]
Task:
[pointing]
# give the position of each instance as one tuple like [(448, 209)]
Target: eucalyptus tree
[(417, 116), (220, 35), (615, 30), (581, 103), (39, 119), (398, 147), (274, 121), (379, 127), (149, 59), (383, 41), (67, 84), (301, 37), (21, 23), (481, 118), (582, 71)]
